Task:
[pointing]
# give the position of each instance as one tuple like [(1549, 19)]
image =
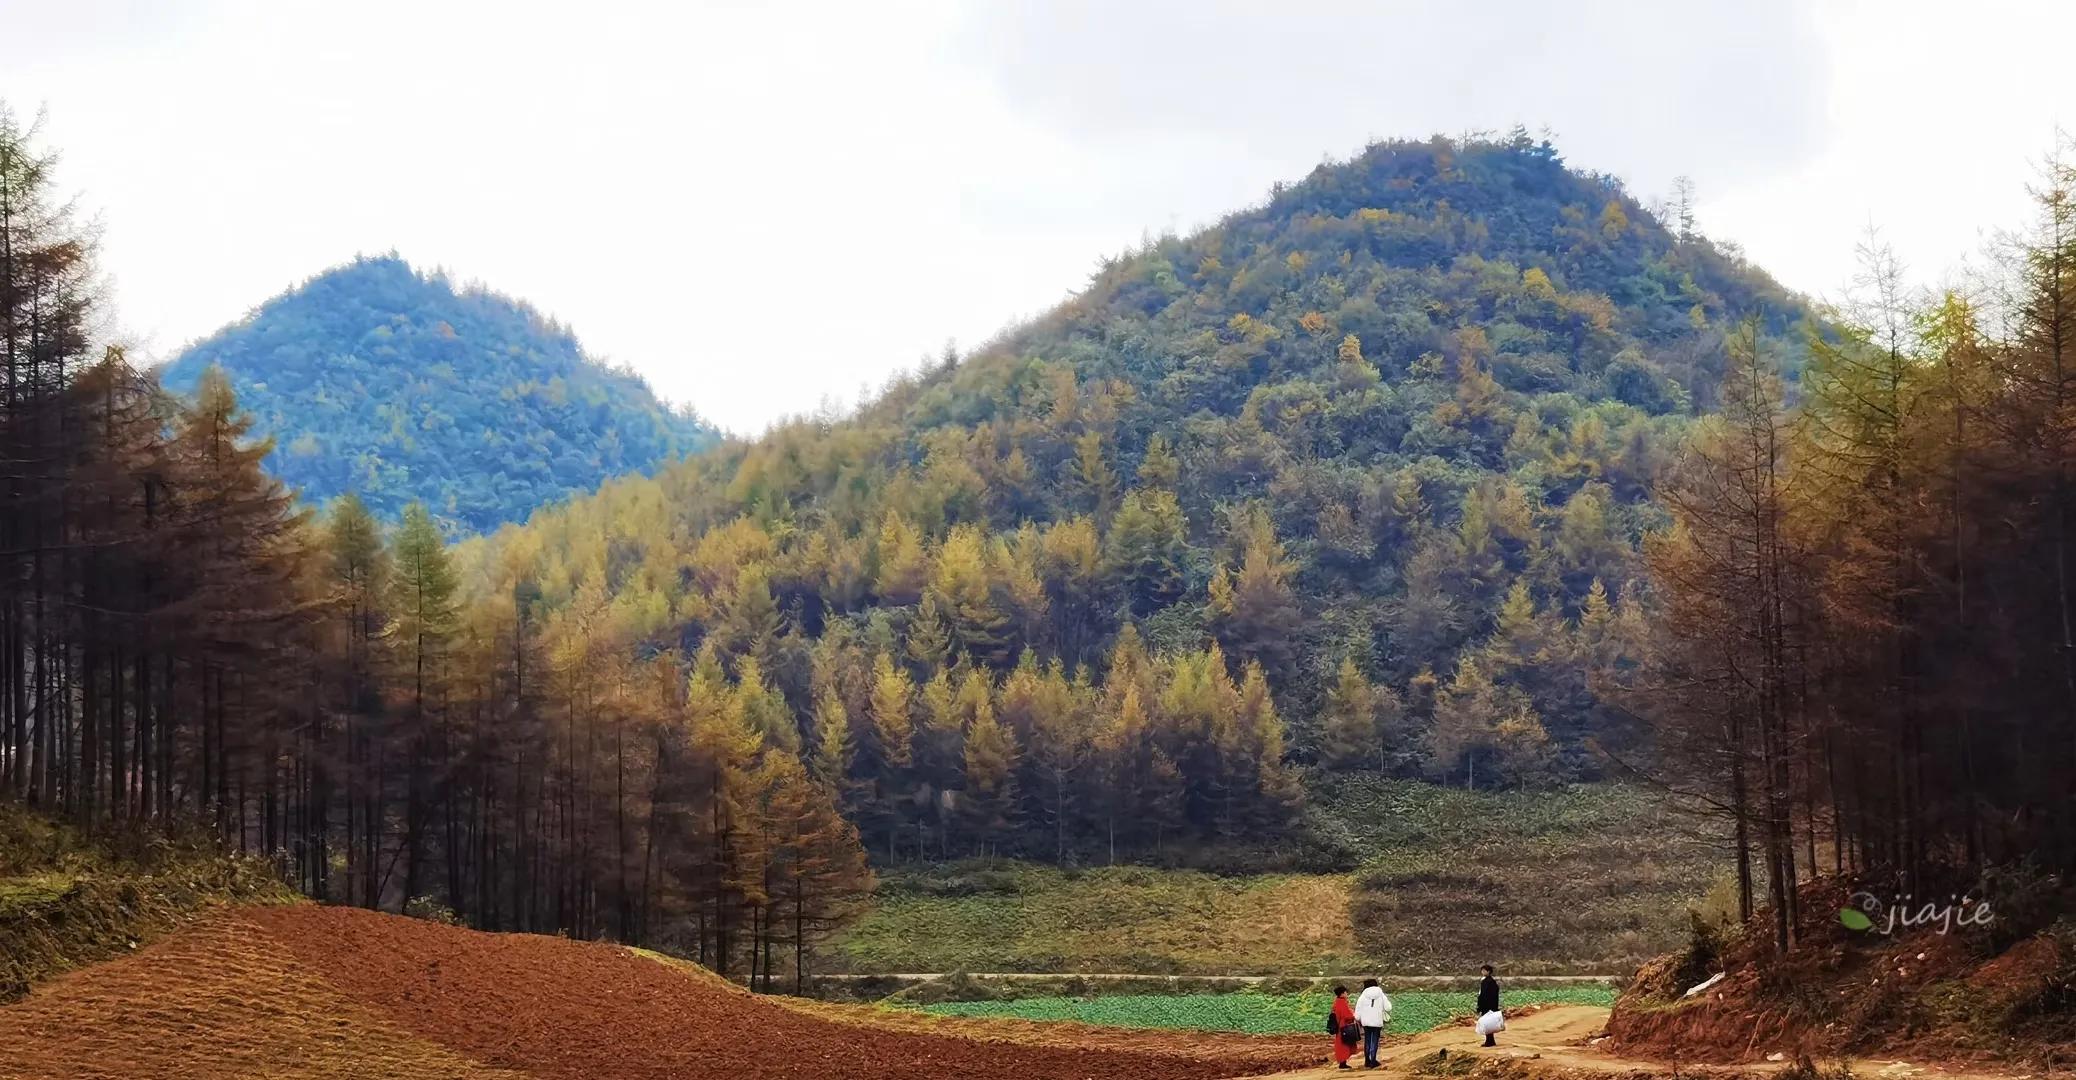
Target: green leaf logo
[(1854, 920)]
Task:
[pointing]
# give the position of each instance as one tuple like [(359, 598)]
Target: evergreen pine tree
[(1255, 613), (904, 567), (423, 601), (1352, 738), (1146, 549), (987, 799), (833, 748), (929, 637)]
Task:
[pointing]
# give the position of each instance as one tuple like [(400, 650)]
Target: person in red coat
[(1344, 1026)]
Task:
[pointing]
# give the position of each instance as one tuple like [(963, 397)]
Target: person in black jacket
[(1488, 998)]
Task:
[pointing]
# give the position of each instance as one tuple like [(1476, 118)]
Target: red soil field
[(338, 992)]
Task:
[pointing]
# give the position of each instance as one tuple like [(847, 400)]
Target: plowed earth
[(307, 991)]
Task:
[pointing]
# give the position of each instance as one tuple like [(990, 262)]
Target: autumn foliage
[(1864, 657)]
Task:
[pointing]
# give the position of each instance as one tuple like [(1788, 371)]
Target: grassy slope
[(67, 900), (1588, 879), (1129, 919)]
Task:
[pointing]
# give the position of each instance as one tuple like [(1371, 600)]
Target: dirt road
[(1444, 981), (1559, 1039)]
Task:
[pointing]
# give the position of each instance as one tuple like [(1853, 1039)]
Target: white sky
[(760, 206)]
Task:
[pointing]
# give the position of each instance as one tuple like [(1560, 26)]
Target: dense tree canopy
[(375, 379), (1357, 478), (1863, 651)]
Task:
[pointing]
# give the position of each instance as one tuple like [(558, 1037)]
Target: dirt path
[(1559, 1039), (1445, 981)]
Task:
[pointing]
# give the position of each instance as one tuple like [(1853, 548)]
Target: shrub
[(67, 899), (425, 907), (2024, 899)]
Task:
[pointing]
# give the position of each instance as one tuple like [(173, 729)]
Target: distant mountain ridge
[(380, 380)]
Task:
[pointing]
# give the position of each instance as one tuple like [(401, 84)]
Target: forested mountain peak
[(1380, 446), (1577, 286), (377, 379)]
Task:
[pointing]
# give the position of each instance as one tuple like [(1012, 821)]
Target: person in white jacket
[(1373, 1012)]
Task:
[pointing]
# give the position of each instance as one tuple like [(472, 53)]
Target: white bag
[(1492, 1023)]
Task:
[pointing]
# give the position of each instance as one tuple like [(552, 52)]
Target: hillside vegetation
[(1348, 424), (67, 900), (2002, 988), (1591, 879), (394, 385), (1585, 879), (1024, 917), (1354, 479)]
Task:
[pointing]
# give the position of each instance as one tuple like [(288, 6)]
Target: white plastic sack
[(1492, 1023)]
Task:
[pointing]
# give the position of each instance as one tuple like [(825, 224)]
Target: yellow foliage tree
[(904, 567), (893, 726)]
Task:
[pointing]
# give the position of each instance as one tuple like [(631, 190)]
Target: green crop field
[(1252, 1012)]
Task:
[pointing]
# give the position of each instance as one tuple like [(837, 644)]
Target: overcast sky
[(760, 206)]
